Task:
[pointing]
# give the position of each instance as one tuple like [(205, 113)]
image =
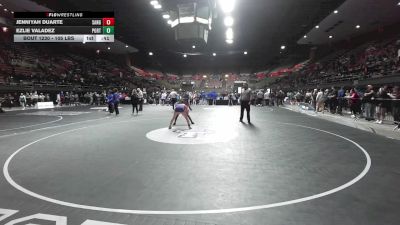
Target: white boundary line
[(51, 127), (187, 212), (34, 125)]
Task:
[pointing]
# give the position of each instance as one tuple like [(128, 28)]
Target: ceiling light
[(358, 27), (157, 6), (330, 36), (154, 3), (204, 76), (1, 4), (228, 21), (193, 46), (126, 46), (150, 53), (305, 36), (227, 6), (5, 10), (108, 48), (12, 12), (245, 52), (214, 54), (229, 34), (283, 47), (184, 55), (169, 22), (166, 16), (226, 75), (398, 4), (336, 12), (317, 27), (5, 29)]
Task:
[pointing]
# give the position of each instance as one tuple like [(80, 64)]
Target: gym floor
[(285, 168)]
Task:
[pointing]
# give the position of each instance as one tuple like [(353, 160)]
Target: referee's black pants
[(245, 105), (173, 101)]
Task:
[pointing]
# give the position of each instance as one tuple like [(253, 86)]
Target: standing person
[(230, 99), (332, 100), (22, 101), (354, 103), (245, 100), (94, 97), (115, 100), (320, 101), (141, 100), (157, 97), (1, 103), (35, 98), (368, 101), (341, 99), (110, 102), (28, 99), (173, 98), (214, 97), (163, 98), (383, 104), (266, 98), (186, 99), (314, 99), (396, 106), (180, 108), (280, 96), (66, 98), (260, 96), (47, 97), (135, 102)]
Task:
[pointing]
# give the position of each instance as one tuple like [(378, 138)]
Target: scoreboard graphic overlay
[(64, 27)]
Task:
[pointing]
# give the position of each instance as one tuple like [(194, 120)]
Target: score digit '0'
[(108, 22)]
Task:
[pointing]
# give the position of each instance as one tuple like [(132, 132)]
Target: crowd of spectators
[(370, 60), (371, 103), (23, 64)]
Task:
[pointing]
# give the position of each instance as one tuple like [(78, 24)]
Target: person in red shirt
[(355, 105)]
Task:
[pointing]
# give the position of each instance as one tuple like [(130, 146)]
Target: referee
[(245, 99)]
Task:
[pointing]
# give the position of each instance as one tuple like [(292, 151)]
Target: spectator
[(396, 106), (266, 98), (320, 101), (341, 100), (22, 101), (135, 101), (383, 104), (260, 96), (163, 97), (141, 99), (355, 105), (368, 100)]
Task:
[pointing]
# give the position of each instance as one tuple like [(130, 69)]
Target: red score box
[(108, 22)]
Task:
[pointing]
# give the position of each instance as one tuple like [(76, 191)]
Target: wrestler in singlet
[(180, 109)]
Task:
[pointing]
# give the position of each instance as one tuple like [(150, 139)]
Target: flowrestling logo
[(196, 135)]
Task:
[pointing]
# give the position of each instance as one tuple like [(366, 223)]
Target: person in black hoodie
[(135, 101)]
